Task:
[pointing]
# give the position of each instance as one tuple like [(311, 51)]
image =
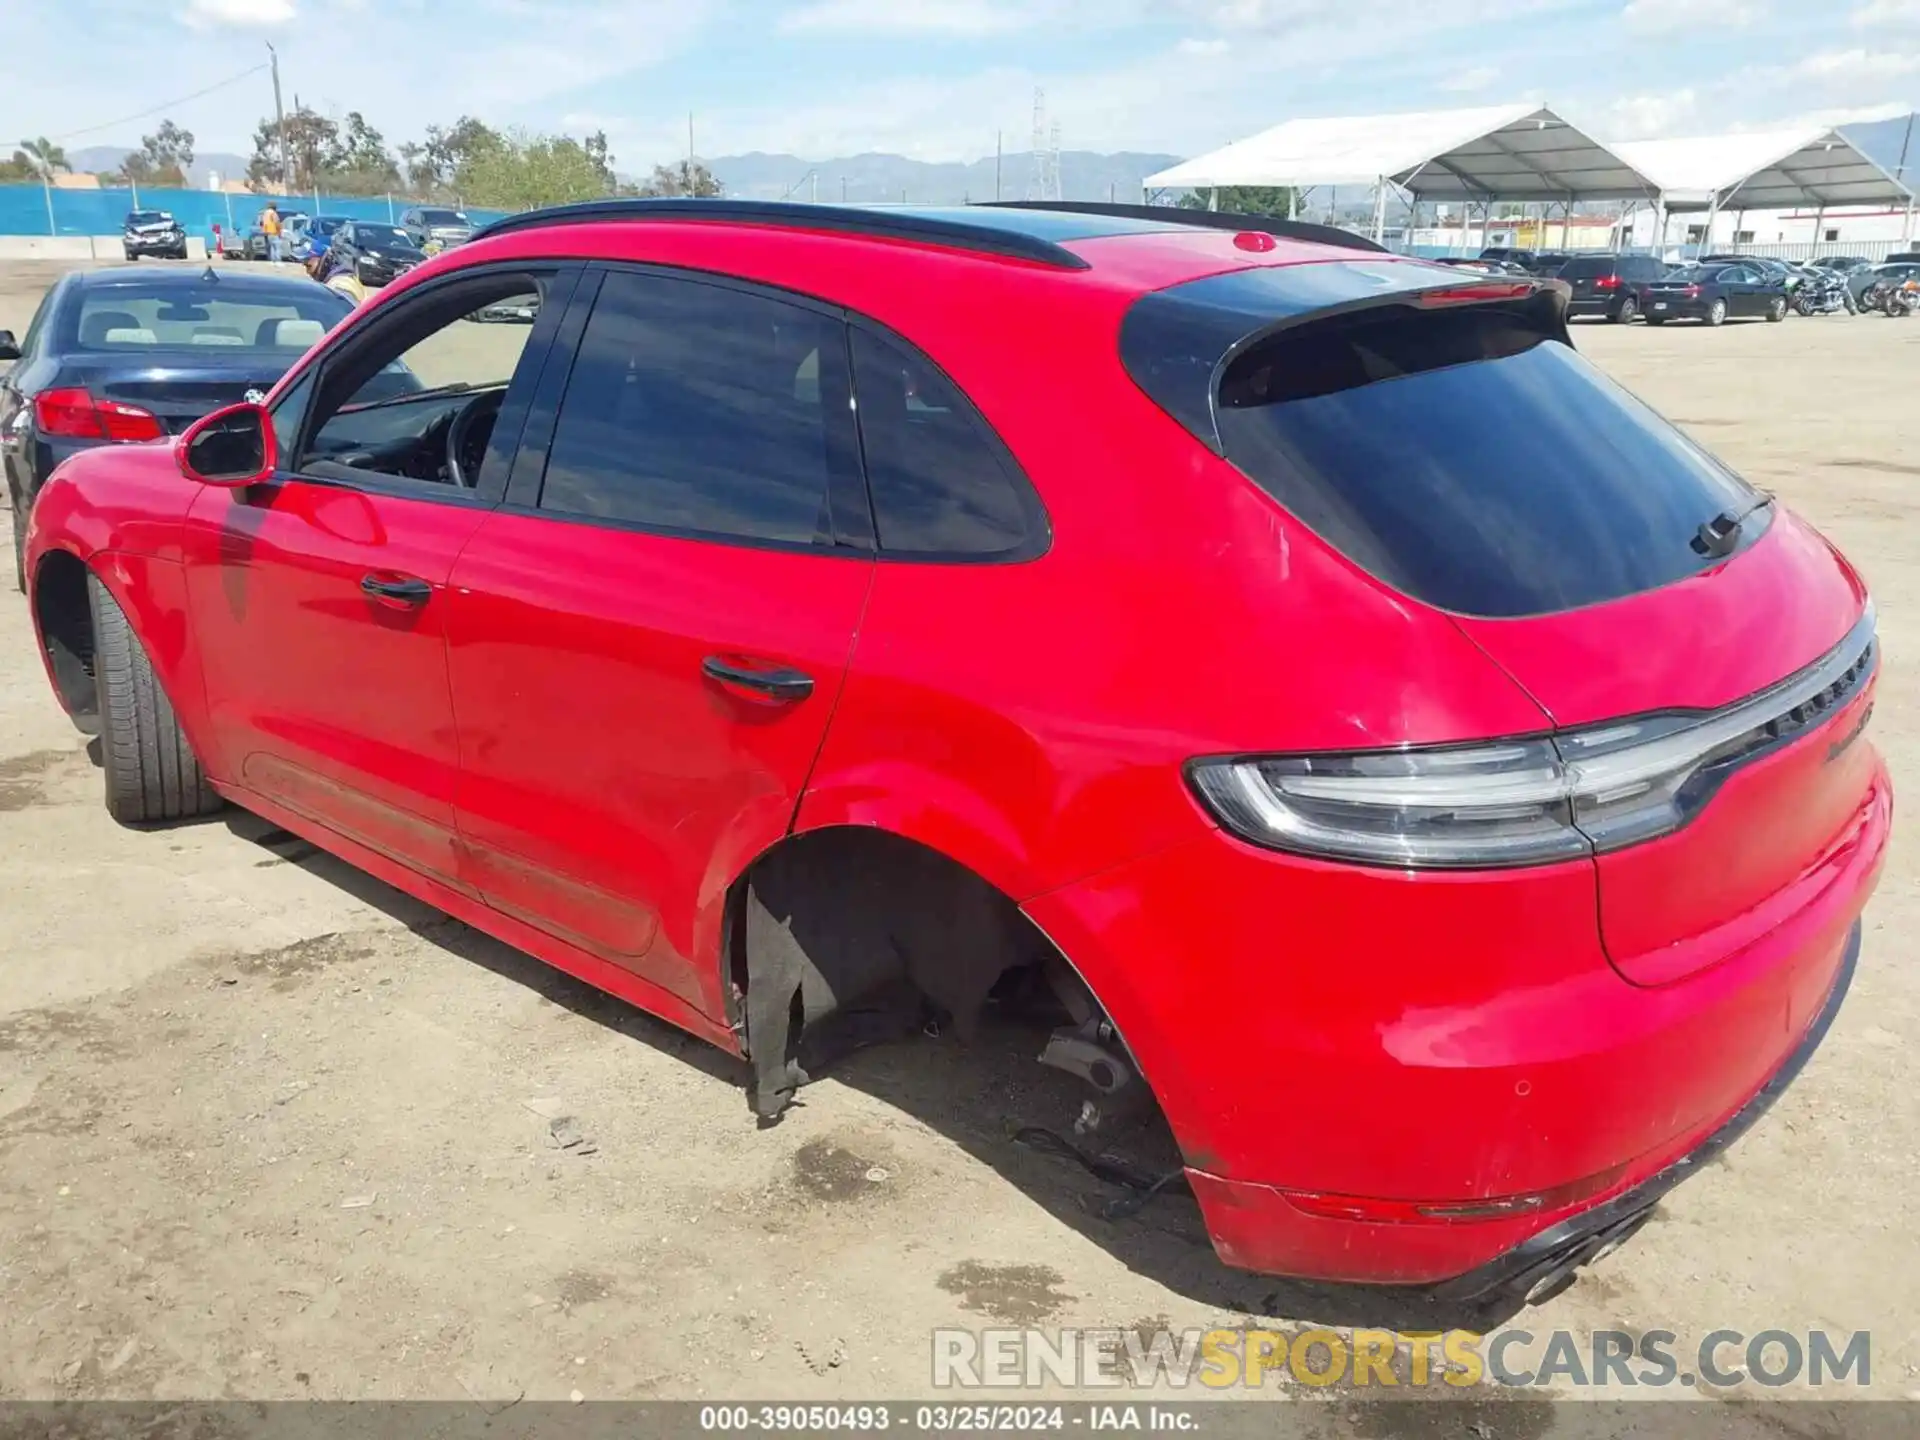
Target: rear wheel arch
[(63, 620), (860, 915)]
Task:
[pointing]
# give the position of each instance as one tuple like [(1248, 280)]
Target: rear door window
[(942, 485), (1468, 460), (704, 410)]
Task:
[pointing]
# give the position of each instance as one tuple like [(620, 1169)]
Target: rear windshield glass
[(1471, 462), (442, 217), (284, 319), (1588, 269)]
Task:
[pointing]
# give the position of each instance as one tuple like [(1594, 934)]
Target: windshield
[(282, 319), (381, 237), (148, 217)]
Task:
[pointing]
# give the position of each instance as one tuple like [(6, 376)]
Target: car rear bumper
[(1343, 1052), (1594, 304), (1675, 309)]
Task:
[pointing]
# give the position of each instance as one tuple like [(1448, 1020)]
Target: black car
[(153, 232), (130, 355), (1549, 262), (1609, 285), (372, 253), (1523, 258), (1903, 257), (1842, 264), (1716, 293)]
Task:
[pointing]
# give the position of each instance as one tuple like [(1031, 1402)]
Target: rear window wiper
[(1716, 538)]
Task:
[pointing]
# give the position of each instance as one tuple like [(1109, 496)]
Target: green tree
[(433, 166), (1245, 200), (683, 177), (163, 158), (358, 163), (312, 141), (522, 171), (43, 156), (17, 168)]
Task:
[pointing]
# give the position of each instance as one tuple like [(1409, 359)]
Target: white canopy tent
[(1519, 152), (1817, 169)]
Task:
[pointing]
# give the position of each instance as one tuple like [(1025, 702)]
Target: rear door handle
[(396, 589), (781, 683)]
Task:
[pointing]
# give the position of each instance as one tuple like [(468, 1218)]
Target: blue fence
[(23, 209)]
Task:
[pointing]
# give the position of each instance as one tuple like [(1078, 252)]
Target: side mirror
[(9, 347), (234, 447)]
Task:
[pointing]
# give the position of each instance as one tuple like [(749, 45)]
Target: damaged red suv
[(1435, 779)]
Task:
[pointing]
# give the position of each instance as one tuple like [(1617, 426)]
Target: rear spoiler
[(1178, 342)]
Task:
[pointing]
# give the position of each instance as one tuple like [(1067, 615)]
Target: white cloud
[(1641, 117), (1889, 13), (1845, 67), (907, 17), (1831, 118), (207, 14), (1192, 46), (1663, 16), (1466, 82)]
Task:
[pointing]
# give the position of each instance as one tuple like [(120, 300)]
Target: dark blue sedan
[(1715, 293), (121, 356)]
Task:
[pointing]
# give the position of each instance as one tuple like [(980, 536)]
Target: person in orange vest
[(270, 225)]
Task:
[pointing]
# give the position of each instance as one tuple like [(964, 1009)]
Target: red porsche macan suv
[(1436, 779)]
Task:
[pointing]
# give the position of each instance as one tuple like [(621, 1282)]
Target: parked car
[(153, 232), (1844, 264), (320, 232), (1903, 257), (426, 224), (1609, 284), (1894, 271), (119, 356), (1523, 258), (1549, 262), (1303, 662), (1482, 267), (372, 253), (1715, 293), (257, 247)]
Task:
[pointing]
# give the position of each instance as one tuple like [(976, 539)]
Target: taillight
[(1607, 282), (1523, 801), (1693, 292), (84, 416)]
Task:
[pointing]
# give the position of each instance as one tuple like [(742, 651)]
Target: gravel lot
[(269, 1129)]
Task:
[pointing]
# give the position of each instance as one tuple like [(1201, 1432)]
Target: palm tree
[(46, 156)]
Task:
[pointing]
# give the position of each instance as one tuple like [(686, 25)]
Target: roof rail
[(1203, 219), (883, 224)]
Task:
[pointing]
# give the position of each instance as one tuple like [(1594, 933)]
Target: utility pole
[(999, 140), (280, 123), (843, 189)]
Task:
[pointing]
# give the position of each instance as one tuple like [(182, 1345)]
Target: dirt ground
[(269, 1129)]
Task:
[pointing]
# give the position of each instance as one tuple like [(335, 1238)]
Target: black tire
[(1776, 310), (151, 771), (1717, 313), (1626, 312), (130, 256)]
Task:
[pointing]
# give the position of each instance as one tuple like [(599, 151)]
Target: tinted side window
[(704, 410), (940, 483)]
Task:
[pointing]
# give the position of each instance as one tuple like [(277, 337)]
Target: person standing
[(270, 225)]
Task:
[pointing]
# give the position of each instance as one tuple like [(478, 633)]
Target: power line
[(166, 105)]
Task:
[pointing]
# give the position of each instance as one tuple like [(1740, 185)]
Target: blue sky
[(936, 78)]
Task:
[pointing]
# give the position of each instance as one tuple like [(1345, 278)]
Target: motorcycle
[(1823, 293), (1903, 299)]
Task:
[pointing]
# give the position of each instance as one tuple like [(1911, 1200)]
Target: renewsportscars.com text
[(1221, 1359)]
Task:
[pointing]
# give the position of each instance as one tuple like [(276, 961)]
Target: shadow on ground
[(979, 1096)]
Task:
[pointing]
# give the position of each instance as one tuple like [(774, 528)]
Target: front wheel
[(1776, 310), (151, 771), (1717, 313)]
